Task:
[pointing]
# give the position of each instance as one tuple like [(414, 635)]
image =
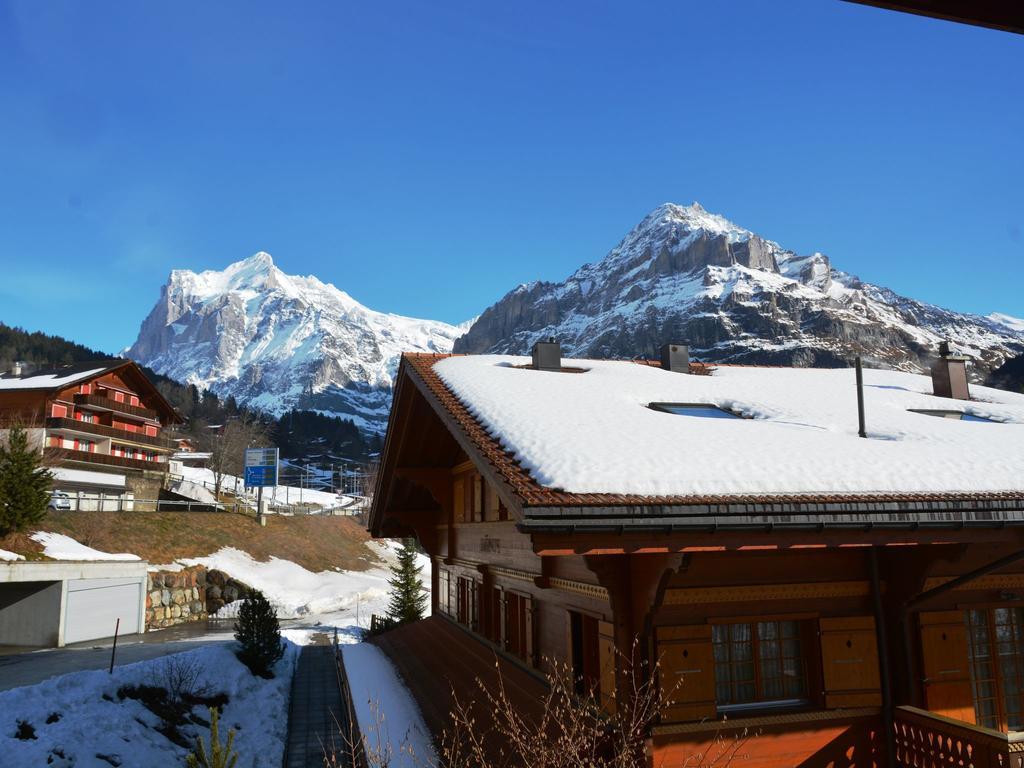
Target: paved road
[(20, 666), (316, 716)]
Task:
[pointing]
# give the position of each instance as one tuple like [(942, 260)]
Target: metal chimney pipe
[(675, 358), (547, 355), (860, 399)]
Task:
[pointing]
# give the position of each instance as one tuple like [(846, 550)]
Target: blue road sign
[(260, 467)]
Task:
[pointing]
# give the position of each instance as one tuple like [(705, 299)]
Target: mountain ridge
[(276, 341), (687, 275)]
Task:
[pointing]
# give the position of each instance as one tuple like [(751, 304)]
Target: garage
[(94, 607), (51, 603)]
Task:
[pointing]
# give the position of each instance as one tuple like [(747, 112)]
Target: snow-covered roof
[(50, 379), (594, 432)]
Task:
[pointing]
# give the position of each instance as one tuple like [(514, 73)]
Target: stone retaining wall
[(176, 597), (221, 589)]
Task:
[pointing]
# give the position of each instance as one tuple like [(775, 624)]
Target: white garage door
[(94, 606)]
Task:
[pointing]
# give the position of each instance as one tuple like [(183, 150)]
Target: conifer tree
[(24, 483), (408, 597), (259, 632)]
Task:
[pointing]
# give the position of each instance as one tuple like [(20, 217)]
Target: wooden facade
[(832, 644), (105, 416)]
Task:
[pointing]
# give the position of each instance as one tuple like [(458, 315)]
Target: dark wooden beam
[(1004, 15)]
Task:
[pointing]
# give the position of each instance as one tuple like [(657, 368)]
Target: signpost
[(260, 472)]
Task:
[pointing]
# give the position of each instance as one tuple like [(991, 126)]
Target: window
[(996, 650), (443, 587), (698, 410), (956, 415), (465, 602), (518, 626), (758, 662), (585, 652)]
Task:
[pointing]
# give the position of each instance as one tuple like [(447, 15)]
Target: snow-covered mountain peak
[(279, 341), (692, 218), (687, 275)]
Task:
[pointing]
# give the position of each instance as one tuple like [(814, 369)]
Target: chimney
[(547, 355), (18, 368), (949, 375), (675, 358)]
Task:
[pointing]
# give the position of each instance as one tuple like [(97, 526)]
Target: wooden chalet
[(95, 420), (838, 628)]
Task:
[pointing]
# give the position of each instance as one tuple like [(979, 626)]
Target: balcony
[(109, 404), (65, 455), (926, 739), (101, 430)]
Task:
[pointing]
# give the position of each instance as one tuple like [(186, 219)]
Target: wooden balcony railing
[(102, 430), (926, 740), (102, 401), (62, 455)]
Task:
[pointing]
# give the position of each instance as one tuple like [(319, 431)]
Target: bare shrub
[(180, 677), (572, 732)]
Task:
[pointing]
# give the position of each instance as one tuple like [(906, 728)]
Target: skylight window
[(699, 410), (956, 415)]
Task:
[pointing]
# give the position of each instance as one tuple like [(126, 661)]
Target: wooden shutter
[(687, 661), (459, 499), (528, 628), (491, 511), (606, 659), (945, 665), (478, 498), (849, 661)]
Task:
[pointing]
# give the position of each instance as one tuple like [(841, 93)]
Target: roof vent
[(547, 355), (675, 358), (949, 375)]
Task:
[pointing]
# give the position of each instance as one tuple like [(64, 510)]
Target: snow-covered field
[(79, 720), (282, 494)]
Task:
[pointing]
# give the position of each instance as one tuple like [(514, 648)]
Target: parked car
[(59, 501)]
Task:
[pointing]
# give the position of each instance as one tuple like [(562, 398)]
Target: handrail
[(89, 457), (102, 401), (103, 430), (928, 738)]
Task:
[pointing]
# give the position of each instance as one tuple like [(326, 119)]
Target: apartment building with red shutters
[(101, 424)]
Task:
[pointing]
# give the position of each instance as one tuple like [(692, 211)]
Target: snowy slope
[(593, 432), (277, 341), (687, 275)]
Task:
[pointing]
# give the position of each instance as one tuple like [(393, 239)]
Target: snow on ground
[(93, 720), (61, 547), (9, 556), (385, 709), (295, 591), (593, 432), (282, 494)]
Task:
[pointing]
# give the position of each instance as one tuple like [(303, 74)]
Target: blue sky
[(428, 157)]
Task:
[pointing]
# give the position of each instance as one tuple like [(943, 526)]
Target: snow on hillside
[(60, 547), (79, 720), (594, 432), (277, 341)]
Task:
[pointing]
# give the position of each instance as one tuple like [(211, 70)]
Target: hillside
[(690, 276), (317, 543)]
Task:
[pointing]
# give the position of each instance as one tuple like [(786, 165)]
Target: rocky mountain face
[(277, 342), (687, 275)]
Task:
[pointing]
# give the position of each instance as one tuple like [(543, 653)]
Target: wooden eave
[(540, 509)]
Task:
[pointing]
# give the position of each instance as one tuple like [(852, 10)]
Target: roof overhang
[(1004, 15)]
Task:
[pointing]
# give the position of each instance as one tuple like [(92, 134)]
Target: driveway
[(19, 666)]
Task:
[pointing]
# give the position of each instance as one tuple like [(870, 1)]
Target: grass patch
[(314, 542)]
